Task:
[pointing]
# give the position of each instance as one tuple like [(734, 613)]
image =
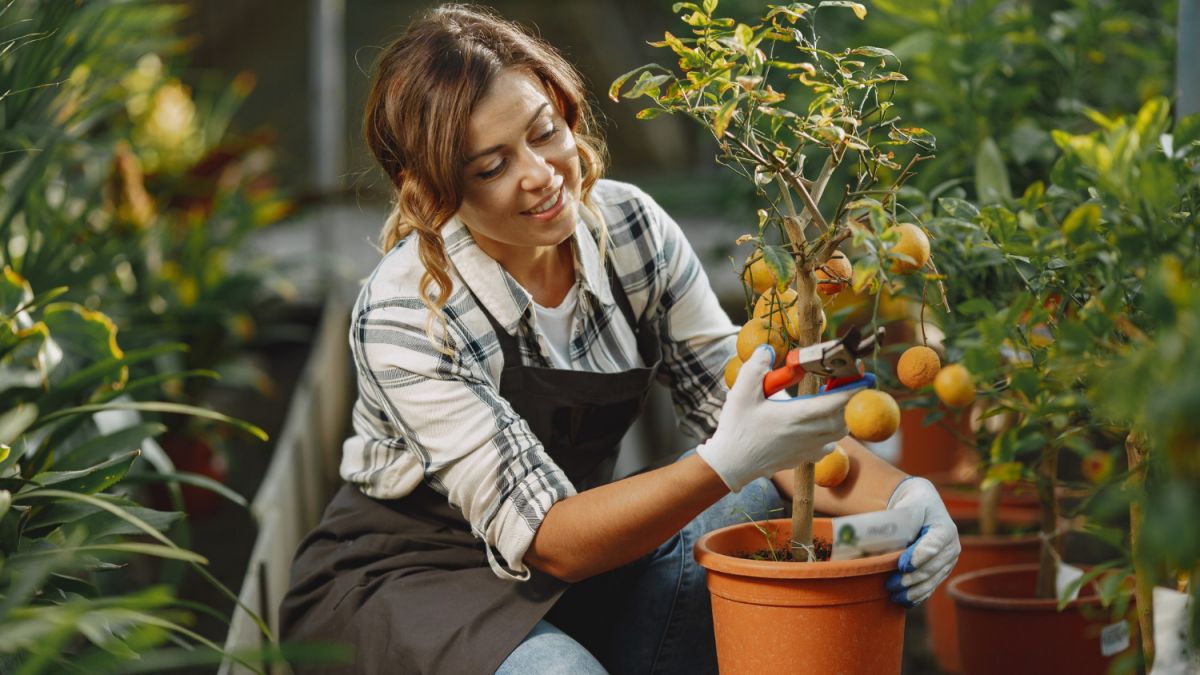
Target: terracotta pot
[(978, 552), (1004, 629), (932, 449), (822, 617)]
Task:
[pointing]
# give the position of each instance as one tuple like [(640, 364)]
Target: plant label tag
[(1066, 575), (1114, 639), (865, 534)]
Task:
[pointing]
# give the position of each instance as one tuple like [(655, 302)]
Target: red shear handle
[(781, 378)]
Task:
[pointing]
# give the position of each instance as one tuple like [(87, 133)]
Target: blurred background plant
[(1072, 307), (130, 189), (72, 529), (127, 194)]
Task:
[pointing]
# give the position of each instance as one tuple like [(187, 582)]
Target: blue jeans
[(664, 622)]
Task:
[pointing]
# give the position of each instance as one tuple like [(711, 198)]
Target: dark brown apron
[(404, 582)]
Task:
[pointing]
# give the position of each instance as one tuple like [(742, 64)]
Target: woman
[(504, 345)]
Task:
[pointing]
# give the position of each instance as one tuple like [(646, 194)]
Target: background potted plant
[(1119, 206)]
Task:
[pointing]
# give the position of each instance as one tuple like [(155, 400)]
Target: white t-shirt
[(555, 323)]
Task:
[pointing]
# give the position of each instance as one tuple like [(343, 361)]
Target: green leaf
[(744, 35), (723, 117), (614, 90), (780, 263), (646, 84), (680, 6), (710, 6), (1086, 216), (865, 270), (15, 291), (85, 337), (991, 175), (47, 493), (1152, 120), (980, 306), (958, 208), (14, 422), (859, 10), (156, 550), (5, 502), (1027, 382), (195, 479), (650, 113), (878, 52), (158, 407), (103, 447), (91, 480)]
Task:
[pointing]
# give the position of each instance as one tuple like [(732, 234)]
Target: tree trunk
[(1135, 452), (989, 506), (808, 311), (1048, 558)]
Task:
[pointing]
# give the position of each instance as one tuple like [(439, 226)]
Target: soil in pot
[(821, 551), (822, 617), (1003, 628)]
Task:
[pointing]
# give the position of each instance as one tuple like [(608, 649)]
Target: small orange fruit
[(758, 275), (832, 469), (757, 332), (953, 386), (774, 301), (872, 415), (918, 366), (834, 275), (913, 243), (1097, 467), (732, 368)]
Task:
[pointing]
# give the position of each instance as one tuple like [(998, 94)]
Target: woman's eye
[(493, 172), (550, 133)]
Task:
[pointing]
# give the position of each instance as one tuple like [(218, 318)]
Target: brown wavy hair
[(424, 87)]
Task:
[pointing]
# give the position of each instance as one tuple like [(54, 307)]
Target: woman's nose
[(537, 173)]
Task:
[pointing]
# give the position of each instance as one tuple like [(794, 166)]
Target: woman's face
[(522, 174)]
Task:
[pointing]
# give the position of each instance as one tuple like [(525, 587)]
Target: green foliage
[(1092, 288), (731, 78), (992, 78), (67, 524), (126, 186)]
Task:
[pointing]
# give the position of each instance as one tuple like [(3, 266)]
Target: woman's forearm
[(606, 527), (867, 488)]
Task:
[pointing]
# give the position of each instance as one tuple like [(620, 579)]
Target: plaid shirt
[(425, 416)]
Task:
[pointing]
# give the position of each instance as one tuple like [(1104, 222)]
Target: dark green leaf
[(103, 447), (991, 175), (90, 480)]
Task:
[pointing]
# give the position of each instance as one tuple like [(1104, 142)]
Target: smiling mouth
[(546, 205)]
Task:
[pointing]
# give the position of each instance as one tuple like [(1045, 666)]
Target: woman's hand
[(930, 559), (757, 436)]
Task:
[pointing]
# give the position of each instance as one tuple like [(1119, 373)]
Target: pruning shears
[(838, 360)]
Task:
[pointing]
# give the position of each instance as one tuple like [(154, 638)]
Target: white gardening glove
[(757, 437), (931, 557)]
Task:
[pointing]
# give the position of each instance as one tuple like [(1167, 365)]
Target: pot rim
[(953, 588), (716, 561)]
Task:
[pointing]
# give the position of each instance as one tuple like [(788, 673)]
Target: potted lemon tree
[(834, 126)]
